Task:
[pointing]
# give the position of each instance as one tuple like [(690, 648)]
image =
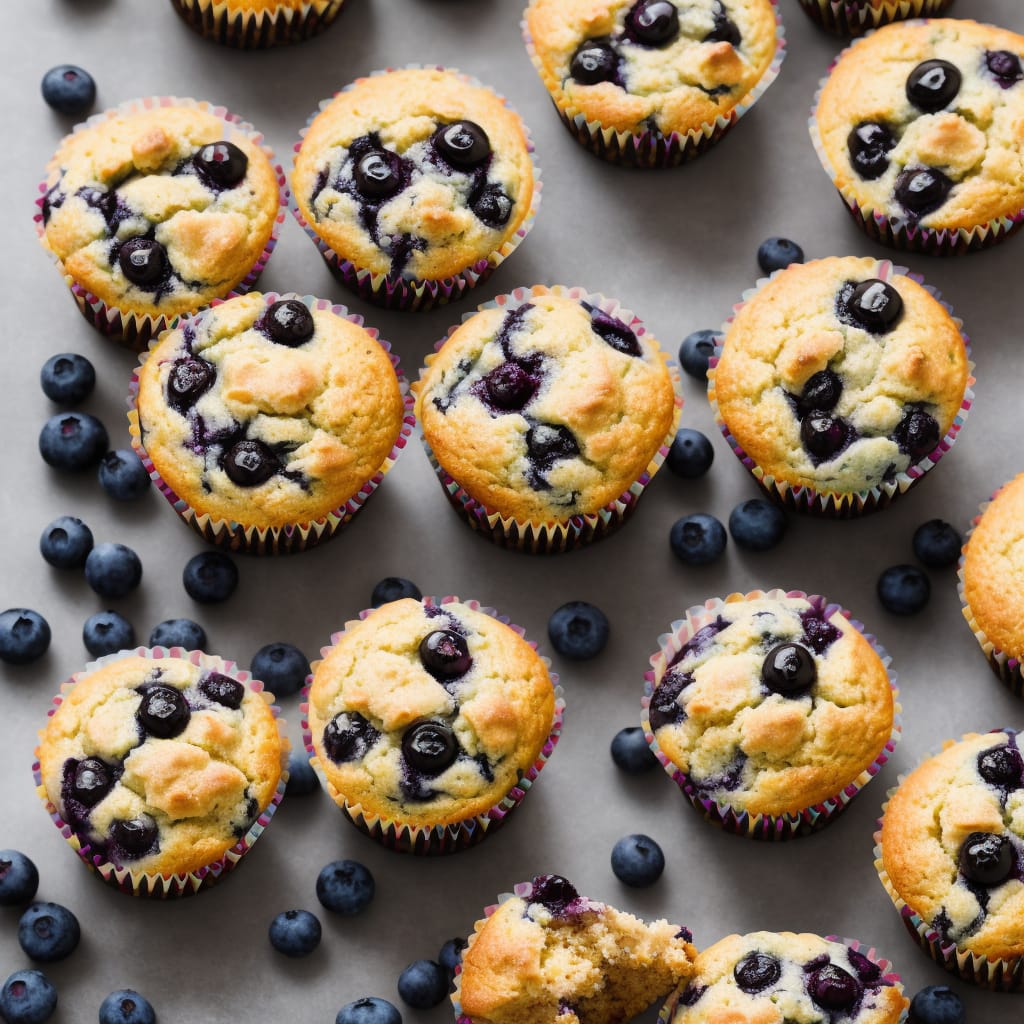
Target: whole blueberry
[(423, 984), (144, 262), (393, 588), (221, 164), (295, 933), (113, 570), (126, 1006), (48, 932), (696, 350), (28, 997), (24, 636), (903, 589), (631, 753), (594, 61), (987, 858), (281, 667), (178, 633), (450, 956), (578, 630), (67, 378), (757, 525), (777, 254), (937, 544), (936, 1004), (697, 539), (302, 779), (19, 878), (345, 886), (369, 1010), (637, 860), (69, 89), (691, 454), (66, 542), (73, 441), (122, 475), (210, 577), (107, 632)]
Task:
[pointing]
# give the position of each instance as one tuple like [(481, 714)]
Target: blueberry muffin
[(770, 977), (154, 211), (414, 184), (950, 857), (841, 381), (429, 721), (918, 125), (251, 24), (266, 416), (855, 17), (548, 954)]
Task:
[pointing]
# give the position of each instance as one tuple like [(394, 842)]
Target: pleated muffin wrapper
[(404, 291), (651, 148), (254, 30), (843, 504), (554, 536), (151, 884), (773, 827), (432, 840), (293, 537), (985, 972), (134, 330), (855, 17)]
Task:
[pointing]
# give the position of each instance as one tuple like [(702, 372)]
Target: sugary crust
[(978, 141), (789, 330), (404, 108), (619, 408), (501, 710), (196, 786), (332, 406), (213, 238), (927, 819), (669, 86)]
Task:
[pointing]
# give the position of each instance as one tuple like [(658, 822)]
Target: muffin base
[(844, 18), (250, 31)]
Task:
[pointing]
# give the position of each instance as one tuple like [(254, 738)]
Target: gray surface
[(677, 247)]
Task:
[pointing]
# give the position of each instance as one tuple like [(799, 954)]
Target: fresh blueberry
[(691, 454), (903, 589), (66, 542), (757, 525), (69, 89), (936, 1004), (370, 1010), (113, 570), (937, 544), (48, 932), (423, 984), (450, 956), (393, 588), (178, 633), (777, 253), (578, 630), (696, 350), (302, 779), (24, 636), (107, 632), (697, 539), (637, 860), (126, 1006), (281, 667), (67, 378), (122, 475), (210, 577), (73, 441), (295, 933), (345, 886), (631, 753), (28, 997), (19, 878)]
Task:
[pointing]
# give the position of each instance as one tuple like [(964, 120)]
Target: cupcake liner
[(134, 330), (846, 505), (761, 826), (249, 30), (650, 148), (144, 883), (430, 840), (295, 537), (554, 537), (855, 17), (404, 291)]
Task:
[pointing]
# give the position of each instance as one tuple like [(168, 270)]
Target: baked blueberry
[(578, 630), (288, 322), (464, 144), (178, 633), (757, 525), (126, 1006), (725, 29), (820, 394), (369, 1010), (144, 262), (608, 328), (986, 858), (874, 305), (903, 589), (24, 636), (429, 746), (345, 887), (697, 539), (393, 588), (825, 436), (936, 1004), (48, 932), (937, 544), (66, 542), (1005, 66), (107, 632), (450, 956), (832, 988), (188, 380), (133, 838), (378, 174), (67, 378), (637, 860), (554, 892), (493, 206), (28, 997), (509, 387), (302, 779), (665, 708), (920, 190), (221, 164), (222, 689), (777, 253), (73, 441), (163, 711), (917, 433), (756, 972), (69, 89), (19, 878), (595, 61), (869, 144), (88, 780), (1002, 767), (281, 667), (210, 577), (631, 753), (653, 22), (696, 351), (445, 654), (691, 454), (250, 463), (295, 933), (933, 84), (789, 669), (113, 570), (122, 475), (348, 736), (423, 984)]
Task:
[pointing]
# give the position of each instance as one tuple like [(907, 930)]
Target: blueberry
[(933, 84), (144, 262), (221, 164), (820, 394), (113, 570), (653, 22), (281, 667), (917, 434), (936, 1004), (134, 837), (88, 780), (631, 753), (450, 956), (614, 332), (875, 305), (825, 436), (789, 669), (509, 387), (423, 984), (637, 860), (757, 525), (73, 441), (1002, 767), (691, 454), (210, 577), (445, 654), (832, 988), (393, 588), (178, 633), (189, 379), (493, 206), (348, 736), (48, 932), (107, 632), (697, 539), (696, 350), (345, 887), (288, 322), (463, 144), (378, 174), (778, 253), (369, 1010), (903, 589), (1005, 66), (66, 542), (249, 463), (295, 933), (920, 190), (19, 878), (126, 1006), (122, 475), (28, 997), (594, 61), (869, 144), (24, 636), (222, 689), (937, 544), (429, 746), (69, 89), (756, 972), (67, 378), (986, 858), (302, 779), (163, 712), (578, 630)]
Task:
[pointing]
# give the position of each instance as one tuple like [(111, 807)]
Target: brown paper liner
[(852, 18), (250, 30)]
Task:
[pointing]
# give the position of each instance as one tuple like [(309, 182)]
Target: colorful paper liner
[(556, 536), (772, 827), (997, 975), (432, 840), (144, 883), (251, 30), (848, 504), (295, 537), (855, 17), (134, 330), (905, 233), (649, 148), (404, 291)]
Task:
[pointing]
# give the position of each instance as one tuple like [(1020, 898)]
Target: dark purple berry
[(933, 84), (91, 781), (937, 544), (368, 1010), (493, 206), (554, 892), (875, 305), (126, 1006), (188, 380), (920, 190), (821, 393), (423, 984), (73, 441), (463, 144), (288, 322), (345, 887), (122, 475), (113, 570), (222, 689), (163, 711), (445, 654), (917, 434), (725, 30), (637, 861), (184, 633), (27, 997), (24, 636), (789, 669), (868, 145), (450, 956), (378, 174), (393, 588), (69, 89), (67, 378), (429, 746), (594, 62), (778, 253), (903, 589), (250, 463), (824, 436), (691, 454), (144, 262), (653, 22), (696, 351), (757, 525), (1005, 66), (936, 1004), (1002, 767), (210, 577), (697, 539), (509, 387), (348, 736), (665, 708), (546, 443), (578, 630), (756, 972), (48, 932), (221, 164), (282, 667), (107, 632), (986, 858), (295, 933), (134, 837), (19, 878), (832, 988), (615, 333)]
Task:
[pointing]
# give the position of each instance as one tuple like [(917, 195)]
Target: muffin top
[(771, 708), (786, 978), (158, 211), (268, 412), (840, 373), (951, 843), (414, 172), (548, 955), (921, 121), (634, 66), (546, 410), (427, 714), (160, 765)]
